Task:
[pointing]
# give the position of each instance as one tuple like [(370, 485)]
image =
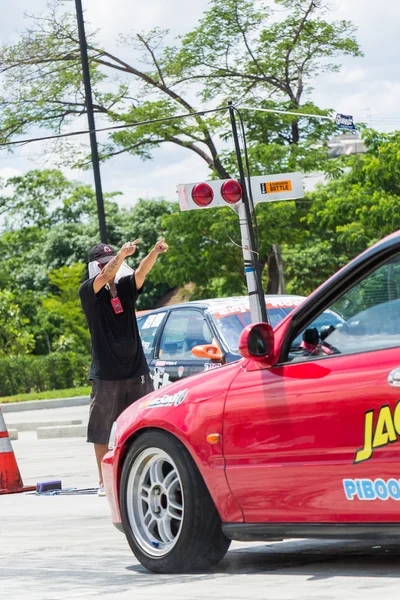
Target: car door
[(316, 437), (184, 329)]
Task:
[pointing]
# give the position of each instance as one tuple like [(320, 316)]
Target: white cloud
[(159, 178), (7, 172), (177, 15)]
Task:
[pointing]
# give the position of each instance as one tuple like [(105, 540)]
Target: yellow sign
[(272, 187)]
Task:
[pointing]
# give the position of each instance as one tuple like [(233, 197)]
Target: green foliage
[(50, 224), (263, 56), (361, 206), (348, 214), (205, 247), (65, 306), (14, 339), (319, 234), (24, 374), (146, 221), (242, 50), (201, 252), (258, 55), (310, 263)]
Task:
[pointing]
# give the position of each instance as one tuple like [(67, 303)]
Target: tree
[(50, 221), (239, 51), (348, 214), (261, 55), (64, 303), (320, 233), (49, 224), (146, 221), (200, 252), (14, 339), (205, 247)]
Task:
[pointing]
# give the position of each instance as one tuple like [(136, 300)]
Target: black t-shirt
[(117, 351)]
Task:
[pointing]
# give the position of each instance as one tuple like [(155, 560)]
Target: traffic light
[(209, 194), (229, 192)]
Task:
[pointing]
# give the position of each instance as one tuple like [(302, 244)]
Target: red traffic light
[(231, 191), (202, 194)]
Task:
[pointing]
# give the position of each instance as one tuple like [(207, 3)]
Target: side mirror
[(208, 351), (257, 342), (326, 331)]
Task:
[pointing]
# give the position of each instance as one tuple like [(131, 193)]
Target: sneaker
[(101, 491)]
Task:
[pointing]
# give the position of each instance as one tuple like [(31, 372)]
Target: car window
[(184, 329), (327, 319), (366, 317), (231, 326), (148, 327)]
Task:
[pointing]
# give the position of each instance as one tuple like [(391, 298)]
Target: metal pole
[(92, 128), (255, 306), (252, 269)]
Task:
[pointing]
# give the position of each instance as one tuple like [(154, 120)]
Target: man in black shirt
[(119, 370)]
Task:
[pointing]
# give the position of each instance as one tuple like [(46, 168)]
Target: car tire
[(158, 477)]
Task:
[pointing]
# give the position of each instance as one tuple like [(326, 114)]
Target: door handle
[(394, 377)]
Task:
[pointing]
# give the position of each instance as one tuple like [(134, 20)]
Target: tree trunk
[(276, 281), (295, 132), (220, 169)]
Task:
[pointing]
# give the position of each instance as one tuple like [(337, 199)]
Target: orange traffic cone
[(10, 478)]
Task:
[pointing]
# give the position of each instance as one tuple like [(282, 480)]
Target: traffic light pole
[(252, 269), (92, 129)]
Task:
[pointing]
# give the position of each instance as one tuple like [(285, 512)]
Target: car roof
[(215, 305)]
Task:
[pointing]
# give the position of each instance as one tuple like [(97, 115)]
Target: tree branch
[(168, 91), (132, 147), (39, 61), (295, 39), (192, 147), (249, 50), (229, 73), (151, 52), (107, 59)]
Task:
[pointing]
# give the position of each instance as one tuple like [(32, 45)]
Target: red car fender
[(188, 410)]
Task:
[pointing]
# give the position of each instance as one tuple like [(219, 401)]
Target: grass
[(48, 395)]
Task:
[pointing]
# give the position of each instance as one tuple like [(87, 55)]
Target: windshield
[(231, 326)]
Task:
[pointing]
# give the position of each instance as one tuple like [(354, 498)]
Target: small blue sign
[(345, 122)]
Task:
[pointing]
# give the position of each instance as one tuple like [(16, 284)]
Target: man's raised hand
[(129, 248), (161, 246)]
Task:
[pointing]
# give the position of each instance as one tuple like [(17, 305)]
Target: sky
[(368, 87)]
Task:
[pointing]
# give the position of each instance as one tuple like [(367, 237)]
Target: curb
[(33, 426), (62, 431), (39, 404)]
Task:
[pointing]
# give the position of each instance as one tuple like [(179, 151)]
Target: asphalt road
[(55, 548)]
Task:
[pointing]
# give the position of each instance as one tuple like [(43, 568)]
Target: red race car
[(299, 438)]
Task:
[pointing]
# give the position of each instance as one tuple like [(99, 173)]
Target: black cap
[(101, 253)]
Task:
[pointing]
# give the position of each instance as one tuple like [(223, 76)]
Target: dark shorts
[(109, 399)]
